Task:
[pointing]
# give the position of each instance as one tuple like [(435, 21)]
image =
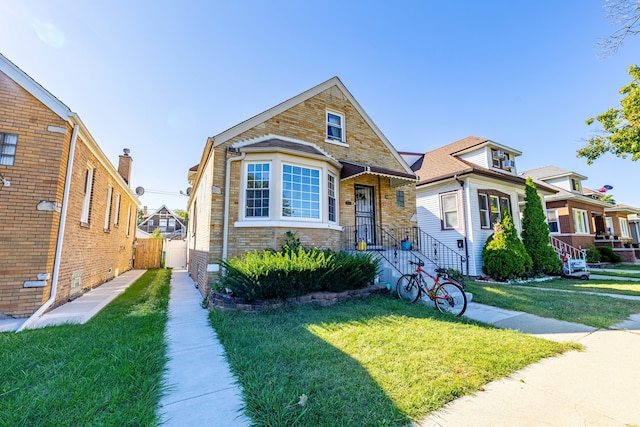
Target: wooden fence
[(148, 254)]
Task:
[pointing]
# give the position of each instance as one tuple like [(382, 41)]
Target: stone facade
[(31, 206)]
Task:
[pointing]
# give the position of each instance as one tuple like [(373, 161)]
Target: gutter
[(60, 238), (466, 215), (227, 183)]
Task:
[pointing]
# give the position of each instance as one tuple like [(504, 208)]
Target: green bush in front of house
[(608, 255), (504, 257), (264, 275)]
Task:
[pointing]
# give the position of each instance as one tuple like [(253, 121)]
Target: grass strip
[(622, 267), (593, 310), (373, 362), (107, 372), (620, 274), (592, 285)]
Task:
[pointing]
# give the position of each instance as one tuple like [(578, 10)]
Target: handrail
[(562, 248), (389, 244)]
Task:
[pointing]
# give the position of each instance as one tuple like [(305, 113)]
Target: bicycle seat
[(419, 263), (441, 270)]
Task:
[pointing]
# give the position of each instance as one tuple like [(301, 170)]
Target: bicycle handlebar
[(419, 263)]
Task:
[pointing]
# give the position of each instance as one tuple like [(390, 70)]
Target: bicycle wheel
[(407, 288), (450, 298)]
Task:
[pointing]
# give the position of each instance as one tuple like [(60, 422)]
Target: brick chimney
[(124, 165)]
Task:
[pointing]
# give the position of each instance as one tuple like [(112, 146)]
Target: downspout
[(464, 230), (227, 183), (61, 227)]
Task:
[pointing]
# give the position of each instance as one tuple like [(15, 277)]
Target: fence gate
[(176, 254), (148, 254)]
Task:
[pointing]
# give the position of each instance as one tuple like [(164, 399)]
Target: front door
[(365, 214)]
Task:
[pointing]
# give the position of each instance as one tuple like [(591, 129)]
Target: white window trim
[(335, 198), (86, 200), (107, 211), (556, 221), (443, 212), (116, 218), (128, 219), (342, 141), (321, 194), (275, 218), (624, 228), (585, 220)]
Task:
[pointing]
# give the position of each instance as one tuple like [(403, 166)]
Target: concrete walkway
[(595, 387), (200, 387)]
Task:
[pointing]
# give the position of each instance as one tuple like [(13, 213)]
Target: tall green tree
[(535, 233), (620, 133)]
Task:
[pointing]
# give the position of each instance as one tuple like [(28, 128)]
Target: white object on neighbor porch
[(213, 268)]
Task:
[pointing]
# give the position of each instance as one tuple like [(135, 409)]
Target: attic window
[(335, 127), (575, 185)]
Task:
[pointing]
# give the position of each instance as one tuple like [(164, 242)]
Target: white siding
[(480, 157)]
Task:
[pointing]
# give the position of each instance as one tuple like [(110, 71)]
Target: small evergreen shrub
[(504, 256), (593, 254), (284, 274), (608, 255)]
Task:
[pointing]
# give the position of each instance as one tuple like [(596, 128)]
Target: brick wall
[(306, 121), (29, 228)]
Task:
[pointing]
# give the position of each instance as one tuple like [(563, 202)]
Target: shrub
[(535, 234), (593, 254), (608, 255), (280, 275), (504, 256)]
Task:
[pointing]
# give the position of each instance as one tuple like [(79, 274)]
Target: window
[(449, 205), (493, 205), (497, 157), (86, 201), (8, 145), (149, 223), (172, 223), (162, 224), (610, 225), (494, 209), (128, 219), (257, 195), (624, 228), (484, 211), (575, 185), (107, 211), (580, 221), (335, 127), (116, 219), (300, 192), (552, 220), (331, 188), (400, 198)]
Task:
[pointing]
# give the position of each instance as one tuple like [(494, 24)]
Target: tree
[(182, 214), (535, 233), (504, 256), (625, 14), (620, 134)]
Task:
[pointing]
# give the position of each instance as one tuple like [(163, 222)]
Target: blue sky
[(159, 77)]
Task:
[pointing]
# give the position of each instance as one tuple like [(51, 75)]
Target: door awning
[(397, 178)]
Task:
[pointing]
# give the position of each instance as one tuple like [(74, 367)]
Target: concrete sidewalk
[(200, 387), (81, 309), (595, 387)]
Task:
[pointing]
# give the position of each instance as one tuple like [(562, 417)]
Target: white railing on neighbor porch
[(563, 248)]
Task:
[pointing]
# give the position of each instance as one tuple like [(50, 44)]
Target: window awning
[(397, 178)]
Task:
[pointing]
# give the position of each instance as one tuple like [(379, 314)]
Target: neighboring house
[(462, 191), (578, 217), (315, 164), (68, 216), (634, 224), (171, 225)]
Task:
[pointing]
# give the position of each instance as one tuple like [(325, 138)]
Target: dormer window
[(335, 127), (501, 160), (575, 185)]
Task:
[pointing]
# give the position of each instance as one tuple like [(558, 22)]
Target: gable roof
[(157, 211), (443, 163), (550, 172), (34, 88)]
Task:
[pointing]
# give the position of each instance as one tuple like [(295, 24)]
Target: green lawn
[(107, 372), (592, 310), (375, 362), (615, 274), (623, 267)]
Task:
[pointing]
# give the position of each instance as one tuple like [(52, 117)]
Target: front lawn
[(107, 372), (593, 310), (592, 285), (373, 362)]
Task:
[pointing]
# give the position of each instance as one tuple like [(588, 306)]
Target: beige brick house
[(315, 164), (68, 216)]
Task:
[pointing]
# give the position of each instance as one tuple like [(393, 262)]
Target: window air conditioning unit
[(499, 154), (508, 164)]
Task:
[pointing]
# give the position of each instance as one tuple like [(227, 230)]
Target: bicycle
[(448, 296)]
